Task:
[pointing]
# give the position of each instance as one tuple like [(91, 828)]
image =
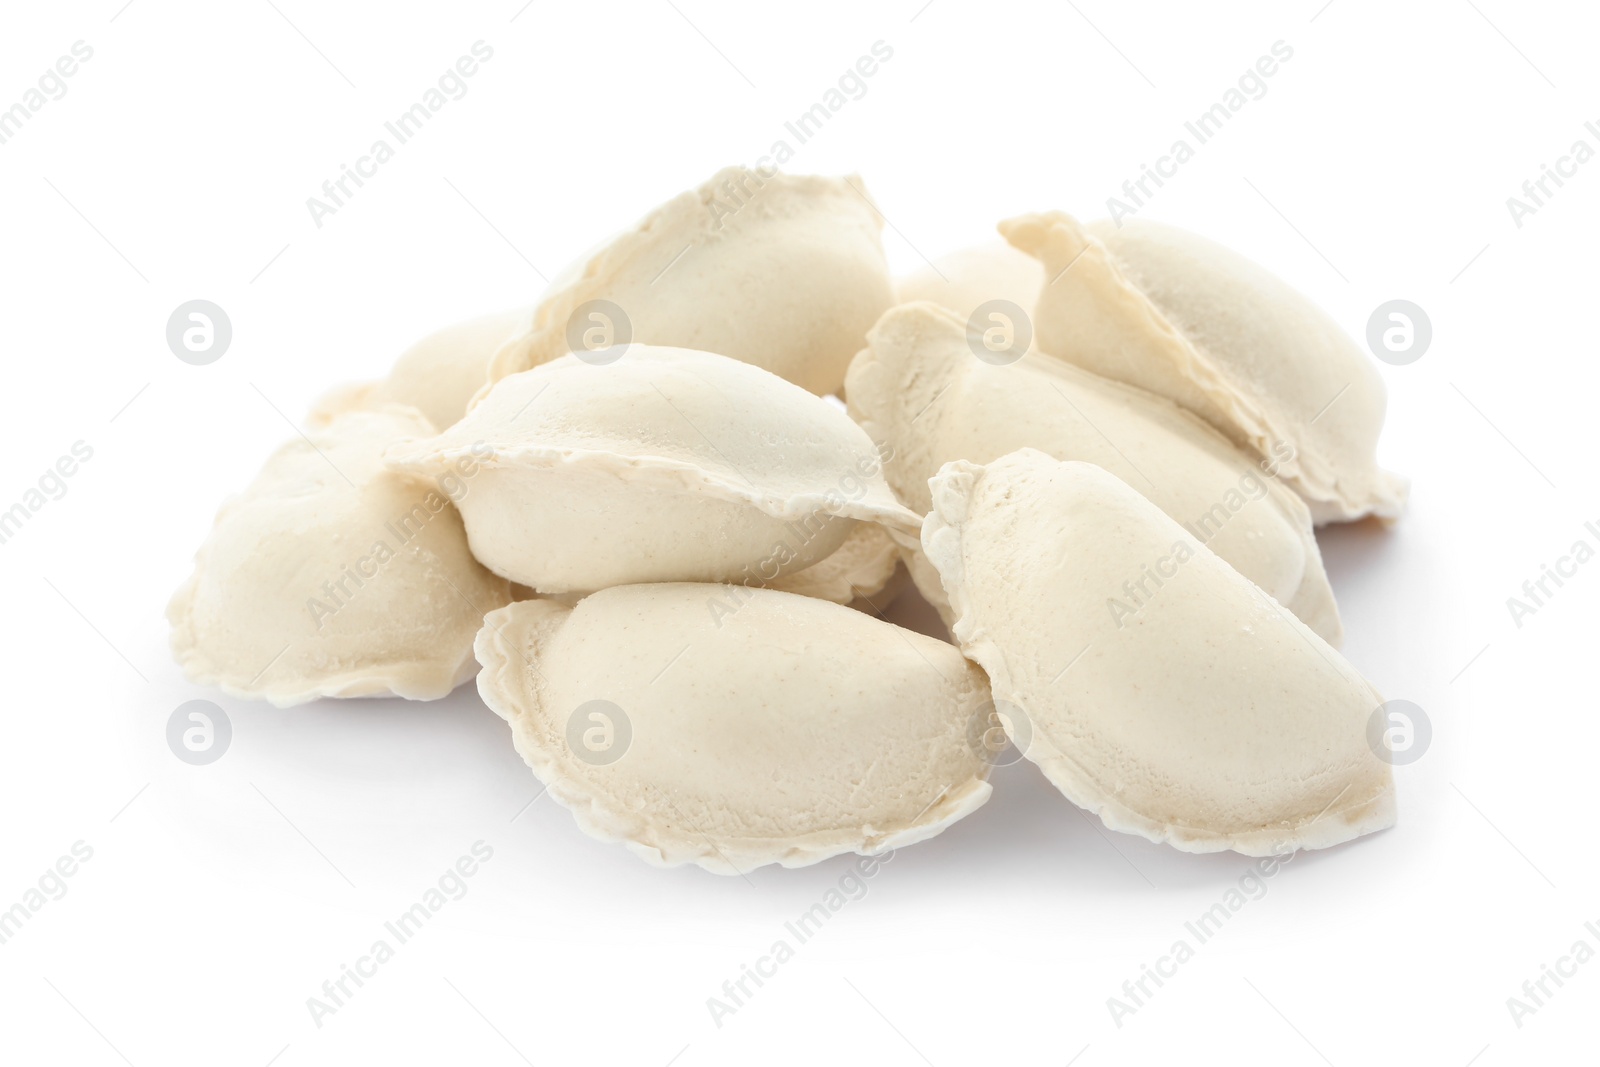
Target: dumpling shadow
[(1355, 553), (383, 741)]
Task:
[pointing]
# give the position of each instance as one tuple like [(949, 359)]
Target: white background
[(219, 898)]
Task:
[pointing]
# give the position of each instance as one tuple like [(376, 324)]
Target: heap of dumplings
[(639, 513)]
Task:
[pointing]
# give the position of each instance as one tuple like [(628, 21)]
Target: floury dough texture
[(658, 465), (334, 576), (1153, 684), (732, 727), (782, 271), (438, 375), (919, 388), (1193, 321)]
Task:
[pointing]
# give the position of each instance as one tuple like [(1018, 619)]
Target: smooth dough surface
[(334, 576), (664, 465), (963, 280), (1188, 319), (738, 727), (786, 272), (1156, 686), (438, 375), (919, 389)]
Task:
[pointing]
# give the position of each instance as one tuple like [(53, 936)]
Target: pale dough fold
[(664, 464), (864, 572), (1193, 321), (969, 277), (1156, 686), (438, 375), (741, 727), (919, 389), (786, 272), (311, 585)]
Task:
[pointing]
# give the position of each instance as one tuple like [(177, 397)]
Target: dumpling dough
[(1190, 320), (969, 277), (864, 572), (438, 375), (664, 465), (783, 271), (738, 727), (1156, 686), (918, 388), (313, 586)]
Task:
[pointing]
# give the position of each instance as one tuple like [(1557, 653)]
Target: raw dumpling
[(734, 727), (1150, 681), (783, 271), (918, 389), (864, 572), (438, 375), (1190, 320), (334, 576), (662, 465), (966, 279)]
